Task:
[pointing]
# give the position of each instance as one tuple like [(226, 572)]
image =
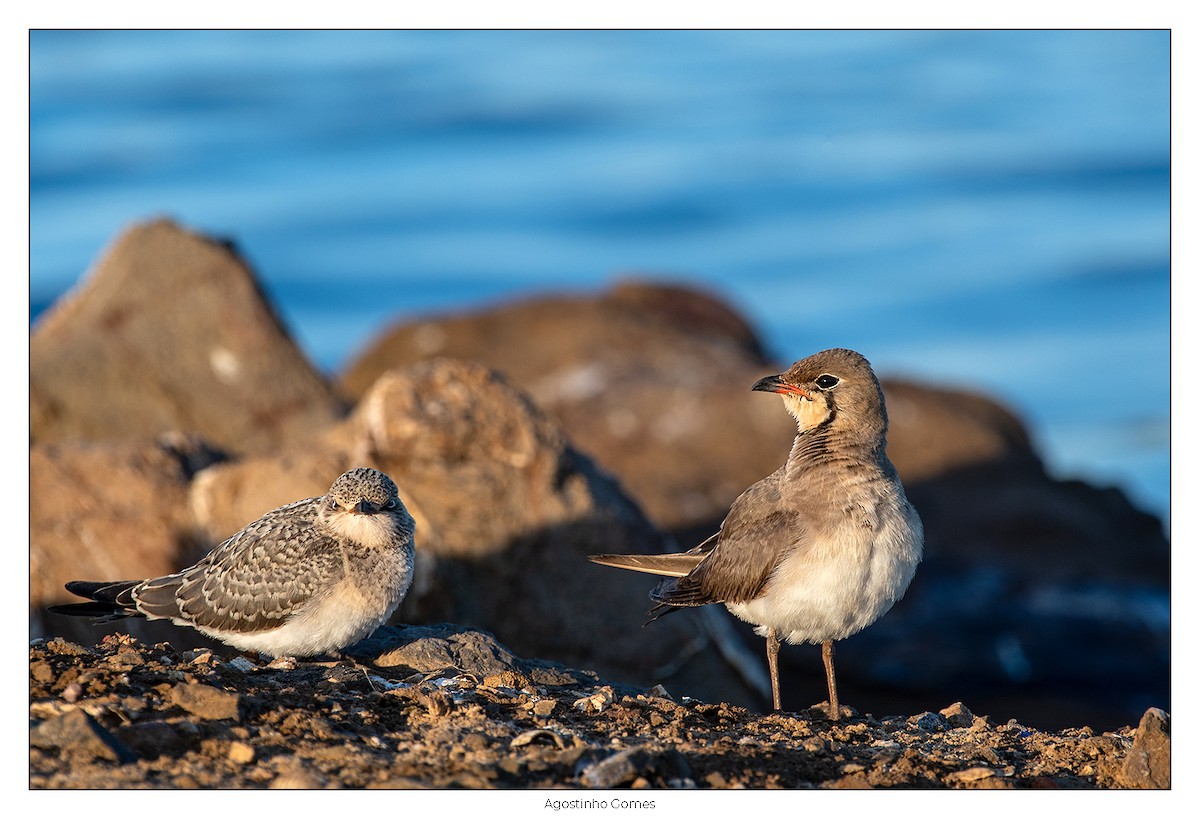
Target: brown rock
[(80, 737), (636, 376), (66, 647), (240, 753), (933, 430), (205, 701), (453, 649), (657, 767), (105, 511), (654, 382), (1148, 764), (155, 738), (1011, 515), (41, 672), (428, 649), (506, 513), (228, 496), (958, 716), (171, 333)]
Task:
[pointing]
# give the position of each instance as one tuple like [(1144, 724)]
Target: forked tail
[(107, 600)]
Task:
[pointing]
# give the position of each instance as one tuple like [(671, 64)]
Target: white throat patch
[(807, 412), (372, 531)]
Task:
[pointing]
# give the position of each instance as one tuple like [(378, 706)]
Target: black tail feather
[(104, 603), (659, 610), (99, 612), (668, 598), (104, 591)]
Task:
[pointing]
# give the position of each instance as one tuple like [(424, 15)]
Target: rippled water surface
[(979, 209)]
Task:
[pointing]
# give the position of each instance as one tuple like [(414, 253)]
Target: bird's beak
[(361, 508), (774, 383)]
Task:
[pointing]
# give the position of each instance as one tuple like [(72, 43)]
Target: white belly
[(344, 616), (836, 588)]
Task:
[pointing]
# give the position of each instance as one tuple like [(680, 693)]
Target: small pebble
[(928, 721), (660, 692), (958, 715), (241, 664), (970, 775), (597, 702), (241, 753)]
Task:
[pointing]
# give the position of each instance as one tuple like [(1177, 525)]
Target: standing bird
[(823, 546), (307, 578)]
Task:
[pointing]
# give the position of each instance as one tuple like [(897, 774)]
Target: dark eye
[(827, 381), (392, 504)]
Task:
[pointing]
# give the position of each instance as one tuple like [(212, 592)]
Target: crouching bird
[(307, 578)]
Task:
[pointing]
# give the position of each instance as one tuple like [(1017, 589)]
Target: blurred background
[(977, 210), (984, 209)]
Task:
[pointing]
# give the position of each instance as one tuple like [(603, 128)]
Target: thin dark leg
[(773, 665), (827, 655)]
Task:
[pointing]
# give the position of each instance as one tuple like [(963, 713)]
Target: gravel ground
[(129, 715)]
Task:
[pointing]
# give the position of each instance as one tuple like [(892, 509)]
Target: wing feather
[(754, 537), (255, 580), (733, 565)]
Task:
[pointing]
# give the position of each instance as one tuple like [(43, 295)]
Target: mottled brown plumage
[(306, 578)]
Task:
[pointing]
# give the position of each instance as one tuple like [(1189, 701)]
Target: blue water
[(979, 209)]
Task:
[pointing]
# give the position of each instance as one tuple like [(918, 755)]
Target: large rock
[(652, 381), (170, 332), (1148, 765), (934, 430), (446, 647), (109, 511), (507, 512), (969, 466)]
